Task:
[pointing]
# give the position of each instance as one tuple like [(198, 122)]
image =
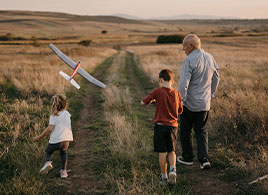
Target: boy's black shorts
[(165, 138)]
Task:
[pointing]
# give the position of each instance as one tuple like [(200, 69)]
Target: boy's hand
[(36, 138), (142, 103), (153, 101)]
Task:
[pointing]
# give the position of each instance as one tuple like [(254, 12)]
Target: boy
[(168, 107)]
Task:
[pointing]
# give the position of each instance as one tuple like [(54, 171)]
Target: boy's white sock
[(172, 167), (164, 175)]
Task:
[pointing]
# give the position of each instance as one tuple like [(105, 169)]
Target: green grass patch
[(75, 101), (9, 90)]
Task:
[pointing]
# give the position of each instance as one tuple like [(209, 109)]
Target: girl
[(61, 134)]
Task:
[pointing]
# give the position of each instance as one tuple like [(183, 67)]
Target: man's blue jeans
[(196, 120)]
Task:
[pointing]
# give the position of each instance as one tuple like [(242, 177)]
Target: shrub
[(228, 35), (117, 47), (4, 38), (9, 37), (35, 42), (85, 43), (104, 32), (170, 39)]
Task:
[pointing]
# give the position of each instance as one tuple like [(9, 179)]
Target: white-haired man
[(199, 79)]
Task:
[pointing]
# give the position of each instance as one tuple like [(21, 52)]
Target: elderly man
[(199, 79)]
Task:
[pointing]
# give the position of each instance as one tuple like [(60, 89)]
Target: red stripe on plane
[(75, 70)]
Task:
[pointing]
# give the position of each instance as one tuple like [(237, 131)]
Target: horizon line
[(147, 18)]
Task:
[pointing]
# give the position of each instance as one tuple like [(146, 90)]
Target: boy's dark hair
[(167, 75)]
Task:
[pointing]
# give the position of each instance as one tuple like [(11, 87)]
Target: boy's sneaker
[(205, 164), (63, 173), (172, 176), (47, 166), (181, 160), (163, 180)]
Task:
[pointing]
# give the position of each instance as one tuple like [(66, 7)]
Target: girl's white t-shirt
[(62, 127)]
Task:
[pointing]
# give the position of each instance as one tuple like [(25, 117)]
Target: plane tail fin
[(72, 81)]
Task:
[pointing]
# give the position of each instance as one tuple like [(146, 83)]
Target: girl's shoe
[(47, 166), (63, 173)]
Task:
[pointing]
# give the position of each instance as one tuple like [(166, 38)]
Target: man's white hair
[(193, 39)]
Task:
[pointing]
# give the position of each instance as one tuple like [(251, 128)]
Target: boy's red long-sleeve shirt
[(168, 105)]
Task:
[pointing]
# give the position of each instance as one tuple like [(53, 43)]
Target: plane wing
[(90, 78), (62, 56), (72, 64)]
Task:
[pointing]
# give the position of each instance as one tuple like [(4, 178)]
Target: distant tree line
[(85, 43), (161, 39)]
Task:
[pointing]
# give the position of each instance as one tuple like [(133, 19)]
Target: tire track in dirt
[(82, 158)]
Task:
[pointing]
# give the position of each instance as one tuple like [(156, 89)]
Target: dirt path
[(81, 156), (82, 181)]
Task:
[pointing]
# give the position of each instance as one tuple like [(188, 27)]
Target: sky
[(145, 8)]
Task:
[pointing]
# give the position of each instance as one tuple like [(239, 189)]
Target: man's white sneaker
[(205, 165), (63, 173), (181, 160), (47, 166)]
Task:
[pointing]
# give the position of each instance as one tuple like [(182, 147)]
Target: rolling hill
[(54, 25)]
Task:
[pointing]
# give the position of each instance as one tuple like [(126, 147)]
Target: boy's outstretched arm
[(151, 102), (44, 133), (149, 99)]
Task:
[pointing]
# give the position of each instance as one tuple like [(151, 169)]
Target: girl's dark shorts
[(165, 138)]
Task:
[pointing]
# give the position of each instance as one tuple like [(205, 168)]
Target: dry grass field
[(36, 68), (239, 117), (67, 28), (29, 77)]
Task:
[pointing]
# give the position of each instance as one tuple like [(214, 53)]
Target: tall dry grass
[(157, 57), (35, 69), (20, 120), (122, 134), (239, 113), (116, 98), (29, 77)]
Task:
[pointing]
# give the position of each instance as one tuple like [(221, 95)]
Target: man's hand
[(142, 103)]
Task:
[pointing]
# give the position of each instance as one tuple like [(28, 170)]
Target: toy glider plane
[(77, 69)]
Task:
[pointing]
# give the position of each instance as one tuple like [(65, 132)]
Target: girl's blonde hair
[(58, 103)]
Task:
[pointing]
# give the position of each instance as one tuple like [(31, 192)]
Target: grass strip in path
[(131, 166)]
